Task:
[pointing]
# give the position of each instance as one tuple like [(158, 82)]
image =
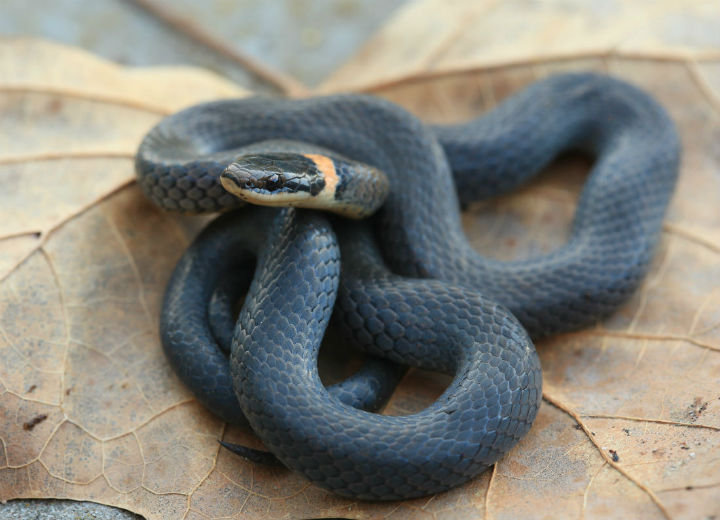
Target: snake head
[(277, 179), (307, 180)]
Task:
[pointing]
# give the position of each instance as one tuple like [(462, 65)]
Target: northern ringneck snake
[(409, 287)]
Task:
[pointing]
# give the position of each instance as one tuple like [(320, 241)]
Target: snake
[(409, 288)]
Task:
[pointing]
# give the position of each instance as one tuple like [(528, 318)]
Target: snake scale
[(409, 287)]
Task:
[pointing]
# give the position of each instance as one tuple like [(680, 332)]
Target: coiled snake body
[(425, 297)]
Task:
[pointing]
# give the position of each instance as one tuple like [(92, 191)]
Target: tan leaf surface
[(71, 123), (440, 36), (630, 425)]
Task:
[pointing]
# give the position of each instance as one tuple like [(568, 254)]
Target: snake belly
[(614, 233)]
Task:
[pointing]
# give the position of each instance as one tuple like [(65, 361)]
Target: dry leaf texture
[(630, 424)]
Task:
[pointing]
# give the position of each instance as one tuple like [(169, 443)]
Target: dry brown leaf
[(434, 37), (71, 123), (630, 426)]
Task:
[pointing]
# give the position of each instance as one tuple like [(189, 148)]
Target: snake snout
[(240, 176)]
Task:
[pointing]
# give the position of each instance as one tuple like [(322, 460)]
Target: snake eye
[(273, 182)]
